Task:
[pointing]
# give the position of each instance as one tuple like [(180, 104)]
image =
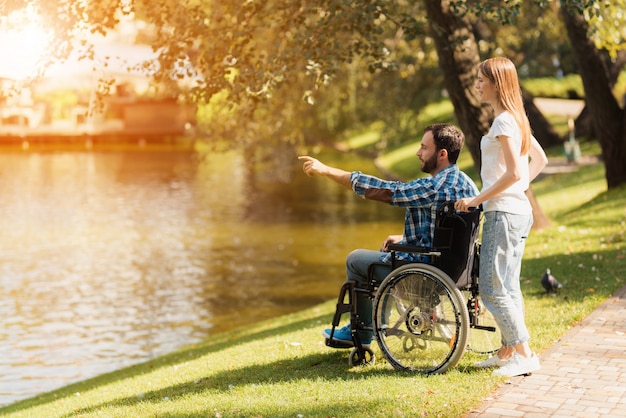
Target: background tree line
[(273, 72)]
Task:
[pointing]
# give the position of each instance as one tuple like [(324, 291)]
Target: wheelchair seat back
[(456, 234)]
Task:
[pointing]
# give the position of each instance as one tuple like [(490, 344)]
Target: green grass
[(555, 87), (403, 162), (281, 368), (366, 139)]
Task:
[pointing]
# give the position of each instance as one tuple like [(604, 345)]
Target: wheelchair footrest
[(484, 328), (338, 344)]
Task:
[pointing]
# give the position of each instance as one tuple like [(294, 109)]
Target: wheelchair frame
[(423, 320)]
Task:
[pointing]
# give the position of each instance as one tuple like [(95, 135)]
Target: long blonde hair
[(501, 71)]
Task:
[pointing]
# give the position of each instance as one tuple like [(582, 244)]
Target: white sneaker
[(493, 361), (518, 366)]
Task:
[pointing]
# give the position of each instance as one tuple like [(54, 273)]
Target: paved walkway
[(582, 375), (561, 107)]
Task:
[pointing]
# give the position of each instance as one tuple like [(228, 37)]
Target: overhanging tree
[(245, 50)]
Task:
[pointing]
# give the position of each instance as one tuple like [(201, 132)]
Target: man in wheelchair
[(440, 147)]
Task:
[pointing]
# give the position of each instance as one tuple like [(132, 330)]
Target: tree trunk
[(458, 59), (607, 117), (542, 129), (540, 219), (584, 121)]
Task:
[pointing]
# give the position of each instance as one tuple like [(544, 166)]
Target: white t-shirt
[(513, 199)]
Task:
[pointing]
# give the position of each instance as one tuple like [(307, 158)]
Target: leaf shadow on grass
[(327, 366)]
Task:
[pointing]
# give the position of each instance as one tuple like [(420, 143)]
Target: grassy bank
[(281, 368)]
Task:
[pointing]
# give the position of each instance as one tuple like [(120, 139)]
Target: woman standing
[(506, 173)]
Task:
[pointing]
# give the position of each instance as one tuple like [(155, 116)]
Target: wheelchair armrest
[(405, 248)]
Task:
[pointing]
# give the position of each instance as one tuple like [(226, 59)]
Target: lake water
[(108, 259)]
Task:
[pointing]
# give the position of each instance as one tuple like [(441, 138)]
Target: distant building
[(65, 101)]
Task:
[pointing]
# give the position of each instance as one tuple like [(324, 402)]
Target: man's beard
[(430, 164)]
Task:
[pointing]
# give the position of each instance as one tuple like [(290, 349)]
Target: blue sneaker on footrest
[(343, 337)]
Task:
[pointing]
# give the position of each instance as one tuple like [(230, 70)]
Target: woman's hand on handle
[(465, 205)]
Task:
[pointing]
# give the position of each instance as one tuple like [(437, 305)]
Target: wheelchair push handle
[(448, 206), (447, 209)]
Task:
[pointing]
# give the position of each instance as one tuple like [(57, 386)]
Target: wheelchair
[(425, 314)]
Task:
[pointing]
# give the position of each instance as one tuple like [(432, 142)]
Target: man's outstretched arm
[(314, 166)]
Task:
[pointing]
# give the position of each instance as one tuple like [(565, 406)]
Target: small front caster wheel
[(361, 358)]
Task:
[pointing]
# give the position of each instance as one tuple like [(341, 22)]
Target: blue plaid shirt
[(421, 198)]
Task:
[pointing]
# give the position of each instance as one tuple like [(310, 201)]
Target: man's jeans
[(503, 241), (357, 265)]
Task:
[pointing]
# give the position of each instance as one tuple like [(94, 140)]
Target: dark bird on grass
[(549, 282)]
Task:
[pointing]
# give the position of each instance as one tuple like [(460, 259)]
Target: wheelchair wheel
[(484, 335), (361, 359), (420, 319)]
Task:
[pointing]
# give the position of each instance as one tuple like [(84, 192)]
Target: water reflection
[(109, 259)]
